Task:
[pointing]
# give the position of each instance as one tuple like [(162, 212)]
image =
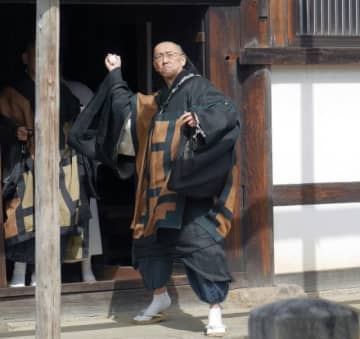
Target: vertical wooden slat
[(342, 17), (350, 11), (278, 13), (293, 20), (315, 16), (48, 286), (301, 11), (357, 19), (249, 23), (336, 13), (322, 21), (308, 17), (223, 45), (329, 17), (257, 175), (3, 280)]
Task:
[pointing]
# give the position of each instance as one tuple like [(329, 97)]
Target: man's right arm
[(99, 128)]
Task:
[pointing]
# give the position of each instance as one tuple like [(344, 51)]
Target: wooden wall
[(269, 37)]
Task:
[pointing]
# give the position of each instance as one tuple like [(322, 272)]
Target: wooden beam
[(324, 193), (3, 280), (257, 175), (48, 286), (300, 56)]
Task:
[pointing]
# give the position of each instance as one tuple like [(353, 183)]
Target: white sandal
[(215, 330), (145, 319)]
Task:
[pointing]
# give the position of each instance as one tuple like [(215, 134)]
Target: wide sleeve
[(217, 114), (99, 128)]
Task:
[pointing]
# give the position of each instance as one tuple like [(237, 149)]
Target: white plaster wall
[(316, 138), (316, 237), (316, 124)]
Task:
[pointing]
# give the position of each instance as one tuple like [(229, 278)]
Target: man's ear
[(25, 58), (183, 61)]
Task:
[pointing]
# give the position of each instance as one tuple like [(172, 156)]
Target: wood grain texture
[(249, 23), (257, 175), (278, 22), (309, 194), (292, 21), (47, 222), (223, 30)]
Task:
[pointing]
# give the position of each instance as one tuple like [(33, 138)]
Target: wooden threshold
[(127, 278)]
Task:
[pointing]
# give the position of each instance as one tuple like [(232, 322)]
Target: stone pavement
[(186, 321)]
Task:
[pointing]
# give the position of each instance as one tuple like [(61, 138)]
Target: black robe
[(161, 214), (114, 103), (18, 184)]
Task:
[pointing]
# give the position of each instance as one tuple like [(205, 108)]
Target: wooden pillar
[(223, 46), (48, 285), (256, 144), (257, 174), (3, 281)]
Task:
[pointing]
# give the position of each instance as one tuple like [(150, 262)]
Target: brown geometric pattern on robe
[(19, 210), (219, 219), (146, 158)]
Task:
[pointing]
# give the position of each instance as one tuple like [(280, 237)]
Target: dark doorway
[(88, 32)]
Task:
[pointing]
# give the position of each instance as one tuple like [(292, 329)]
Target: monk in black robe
[(17, 107), (168, 225)]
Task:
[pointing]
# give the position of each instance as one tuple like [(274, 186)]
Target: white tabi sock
[(18, 277), (86, 271), (159, 303), (215, 326), (215, 316)]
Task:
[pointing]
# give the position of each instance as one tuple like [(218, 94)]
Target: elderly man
[(168, 225)]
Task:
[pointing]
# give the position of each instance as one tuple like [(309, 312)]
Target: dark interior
[(88, 32)]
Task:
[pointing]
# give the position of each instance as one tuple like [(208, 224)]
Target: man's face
[(169, 60)]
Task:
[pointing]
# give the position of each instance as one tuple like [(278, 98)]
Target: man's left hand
[(189, 119)]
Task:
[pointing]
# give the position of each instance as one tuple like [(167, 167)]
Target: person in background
[(17, 104), (85, 94)]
